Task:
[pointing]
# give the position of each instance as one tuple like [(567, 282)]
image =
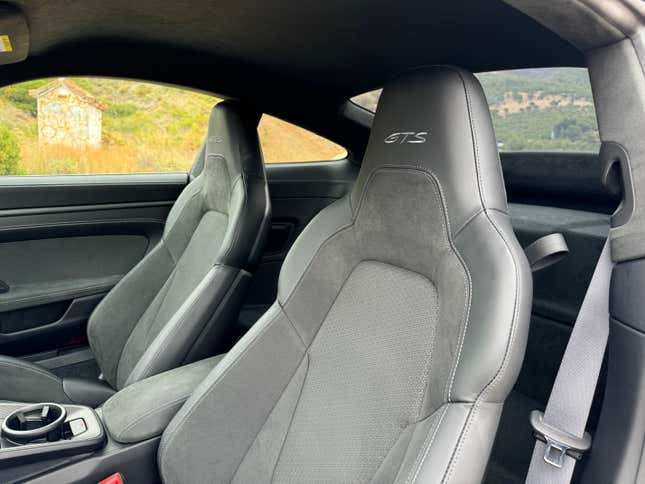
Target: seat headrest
[(232, 134), (437, 119)]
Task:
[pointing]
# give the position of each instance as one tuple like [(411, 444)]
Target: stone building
[(68, 115)]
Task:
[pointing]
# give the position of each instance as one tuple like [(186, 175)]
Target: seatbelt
[(560, 430), (546, 251)]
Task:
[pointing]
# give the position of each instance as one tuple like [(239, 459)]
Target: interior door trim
[(81, 208), (52, 192)]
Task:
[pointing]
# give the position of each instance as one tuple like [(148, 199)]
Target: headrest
[(437, 119), (232, 134)]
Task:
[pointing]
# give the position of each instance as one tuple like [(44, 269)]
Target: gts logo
[(407, 137)]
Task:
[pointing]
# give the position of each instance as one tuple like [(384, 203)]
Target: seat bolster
[(324, 225), (186, 337), (452, 445), (229, 408), (494, 340), (249, 221), (23, 381), (115, 317)]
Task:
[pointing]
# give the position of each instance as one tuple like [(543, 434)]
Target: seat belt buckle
[(558, 442)]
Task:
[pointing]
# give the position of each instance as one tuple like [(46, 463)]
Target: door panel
[(72, 190), (65, 241)]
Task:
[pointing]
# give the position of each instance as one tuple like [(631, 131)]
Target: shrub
[(9, 152), (18, 95), (121, 110)]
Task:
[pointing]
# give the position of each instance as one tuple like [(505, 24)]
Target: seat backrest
[(400, 324), (172, 306)]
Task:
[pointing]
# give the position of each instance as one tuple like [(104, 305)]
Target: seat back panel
[(218, 222), (367, 376)]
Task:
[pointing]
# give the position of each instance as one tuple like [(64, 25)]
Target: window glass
[(535, 109), (95, 126), (285, 142), (100, 126)]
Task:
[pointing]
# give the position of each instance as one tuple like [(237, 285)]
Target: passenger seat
[(400, 322), (174, 306)]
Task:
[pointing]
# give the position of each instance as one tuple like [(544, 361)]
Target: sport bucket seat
[(171, 308), (400, 323)]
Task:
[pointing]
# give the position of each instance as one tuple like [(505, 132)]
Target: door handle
[(4, 287)]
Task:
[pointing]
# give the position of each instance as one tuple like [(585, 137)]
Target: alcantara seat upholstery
[(172, 307), (400, 323)]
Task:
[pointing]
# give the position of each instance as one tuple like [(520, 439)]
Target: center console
[(39, 431), (49, 442)]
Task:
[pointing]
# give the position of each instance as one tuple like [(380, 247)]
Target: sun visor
[(14, 35)]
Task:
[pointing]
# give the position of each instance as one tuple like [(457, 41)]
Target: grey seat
[(173, 306), (400, 323)]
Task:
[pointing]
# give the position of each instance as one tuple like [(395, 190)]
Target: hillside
[(542, 109), (535, 109), (145, 128)]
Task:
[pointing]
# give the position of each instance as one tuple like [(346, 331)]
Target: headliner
[(323, 50)]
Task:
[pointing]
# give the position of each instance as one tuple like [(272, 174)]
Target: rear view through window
[(535, 109), (100, 126)]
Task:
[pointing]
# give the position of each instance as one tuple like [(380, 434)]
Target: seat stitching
[(427, 445), (304, 345)]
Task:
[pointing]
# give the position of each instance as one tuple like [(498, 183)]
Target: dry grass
[(281, 142), (284, 142), (58, 160)]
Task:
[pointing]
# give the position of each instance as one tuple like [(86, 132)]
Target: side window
[(99, 126), (70, 126), (542, 109), (535, 109), (284, 142)]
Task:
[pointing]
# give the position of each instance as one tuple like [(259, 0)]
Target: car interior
[(448, 290)]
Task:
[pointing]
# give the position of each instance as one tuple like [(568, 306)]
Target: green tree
[(9, 152)]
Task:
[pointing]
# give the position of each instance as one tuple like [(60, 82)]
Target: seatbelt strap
[(560, 431), (546, 251)]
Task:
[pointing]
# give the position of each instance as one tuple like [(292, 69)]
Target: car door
[(65, 241)]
